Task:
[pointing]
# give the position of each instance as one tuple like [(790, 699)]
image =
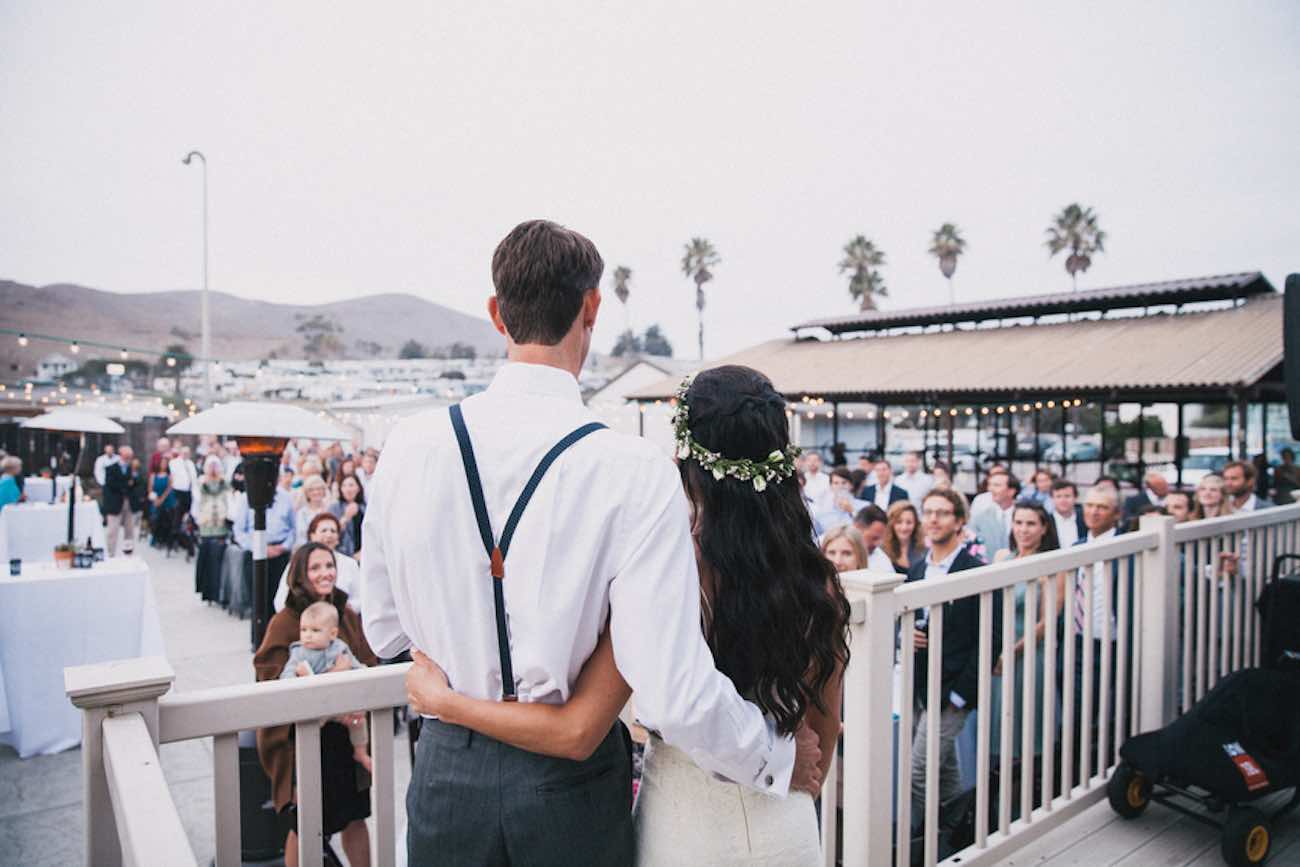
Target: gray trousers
[(951, 721), (474, 800), (127, 520)]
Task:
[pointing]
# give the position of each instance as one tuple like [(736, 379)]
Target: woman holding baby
[(308, 638)]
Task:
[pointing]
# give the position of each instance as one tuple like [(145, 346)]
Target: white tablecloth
[(51, 618), (31, 530), (37, 489)]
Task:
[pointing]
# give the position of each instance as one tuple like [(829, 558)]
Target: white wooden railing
[(1178, 616), (1176, 627), (127, 715)]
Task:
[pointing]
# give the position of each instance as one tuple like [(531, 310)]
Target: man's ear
[(494, 313), (590, 307)]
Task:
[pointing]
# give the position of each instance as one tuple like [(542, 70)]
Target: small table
[(51, 618), (30, 531)]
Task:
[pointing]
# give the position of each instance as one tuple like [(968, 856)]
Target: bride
[(773, 614)]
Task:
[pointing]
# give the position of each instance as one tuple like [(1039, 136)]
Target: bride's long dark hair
[(778, 626)]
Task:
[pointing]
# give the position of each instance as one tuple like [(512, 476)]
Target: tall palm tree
[(946, 245), (699, 257), (1075, 229), (621, 275), (861, 258)]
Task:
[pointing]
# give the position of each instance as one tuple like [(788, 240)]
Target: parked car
[(1198, 464)]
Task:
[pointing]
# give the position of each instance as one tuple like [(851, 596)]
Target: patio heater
[(262, 431), (72, 421)]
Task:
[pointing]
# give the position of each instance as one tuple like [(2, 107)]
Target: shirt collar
[(1105, 535), (539, 379), (946, 563)]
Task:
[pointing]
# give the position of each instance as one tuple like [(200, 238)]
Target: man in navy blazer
[(1067, 513), (943, 517), (884, 493)]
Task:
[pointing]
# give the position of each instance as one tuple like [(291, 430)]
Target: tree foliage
[(412, 349), (1076, 229), (861, 259)]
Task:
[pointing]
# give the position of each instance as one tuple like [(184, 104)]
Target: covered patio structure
[(1178, 376)]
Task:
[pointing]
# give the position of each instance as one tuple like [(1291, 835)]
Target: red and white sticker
[(1249, 769)]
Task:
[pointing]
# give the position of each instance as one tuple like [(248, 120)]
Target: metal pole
[(205, 327)]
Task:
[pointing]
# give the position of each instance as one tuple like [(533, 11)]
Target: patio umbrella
[(78, 422)]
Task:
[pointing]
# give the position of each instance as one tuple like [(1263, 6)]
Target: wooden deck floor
[(1160, 837)]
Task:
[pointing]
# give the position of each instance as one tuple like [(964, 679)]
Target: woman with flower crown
[(773, 614)]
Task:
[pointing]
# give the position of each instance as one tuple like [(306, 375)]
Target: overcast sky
[(387, 147)]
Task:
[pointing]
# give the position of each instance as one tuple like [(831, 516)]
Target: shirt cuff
[(957, 701), (774, 777)]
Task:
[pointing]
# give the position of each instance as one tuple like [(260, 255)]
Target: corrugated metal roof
[(1186, 291), (1213, 349)]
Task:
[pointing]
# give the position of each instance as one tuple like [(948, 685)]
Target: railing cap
[(868, 582), (117, 682)]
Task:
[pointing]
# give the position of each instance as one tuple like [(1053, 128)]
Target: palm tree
[(621, 275), (699, 257), (946, 245), (861, 258), (1075, 229)]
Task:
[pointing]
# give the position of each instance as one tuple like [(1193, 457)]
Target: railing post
[(1158, 649), (869, 720), (99, 691)]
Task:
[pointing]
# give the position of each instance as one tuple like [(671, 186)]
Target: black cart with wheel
[(1238, 744)]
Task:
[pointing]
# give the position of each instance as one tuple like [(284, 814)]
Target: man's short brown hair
[(957, 500), (1246, 467), (541, 272)]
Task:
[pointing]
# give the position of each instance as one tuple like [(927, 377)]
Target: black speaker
[(1291, 342)]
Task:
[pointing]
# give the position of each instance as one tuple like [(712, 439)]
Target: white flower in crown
[(684, 451), (760, 483), (719, 474)]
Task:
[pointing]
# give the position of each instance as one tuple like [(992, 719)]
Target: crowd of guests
[(918, 525)]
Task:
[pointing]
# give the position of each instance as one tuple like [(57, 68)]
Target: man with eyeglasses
[(943, 517)]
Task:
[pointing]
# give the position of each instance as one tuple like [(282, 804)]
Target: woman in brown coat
[(311, 577)]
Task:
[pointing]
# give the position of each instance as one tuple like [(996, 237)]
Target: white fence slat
[(933, 706), (1047, 771), (1029, 704), (148, 824), (983, 721), (311, 842), (225, 798), (1008, 704), (906, 704), (382, 787)]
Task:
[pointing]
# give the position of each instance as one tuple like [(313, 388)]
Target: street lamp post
[(205, 326), (262, 431)]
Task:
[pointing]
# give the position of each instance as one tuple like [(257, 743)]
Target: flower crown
[(777, 466)]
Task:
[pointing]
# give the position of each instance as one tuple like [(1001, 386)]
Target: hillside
[(369, 327)]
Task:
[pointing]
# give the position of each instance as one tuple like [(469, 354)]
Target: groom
[(605, 537)]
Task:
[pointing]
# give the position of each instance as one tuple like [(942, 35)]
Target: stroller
[(1239, 743)]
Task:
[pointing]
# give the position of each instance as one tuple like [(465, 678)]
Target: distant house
[(54, 366), (640, 373)]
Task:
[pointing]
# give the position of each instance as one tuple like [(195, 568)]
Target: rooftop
[(1192, 290), (1157, 354)]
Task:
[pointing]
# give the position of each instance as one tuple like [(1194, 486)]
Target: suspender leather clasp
[(498, 564)]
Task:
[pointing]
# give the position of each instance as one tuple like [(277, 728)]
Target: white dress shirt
[(183, 474), (607, 535), (348, 579), (1101, 573), (817, 487), (878, 561), (1067, 528), (882, 495), (917, 485), (940, 569), (102, 463)]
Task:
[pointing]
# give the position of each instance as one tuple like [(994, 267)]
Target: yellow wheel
[(1129, 791), (1246, 837)]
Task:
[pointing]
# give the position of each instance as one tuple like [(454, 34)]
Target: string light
[(75, 347), (984, 410), (22, 340), (124, 354), (952, 411), (171, 361), (969, 411), (1051, 404)]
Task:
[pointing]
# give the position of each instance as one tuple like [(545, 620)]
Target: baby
[(320, 650)]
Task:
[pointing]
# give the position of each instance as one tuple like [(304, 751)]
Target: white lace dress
[(687, 816)]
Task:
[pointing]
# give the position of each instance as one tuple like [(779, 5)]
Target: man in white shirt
[(884, 493), (623, 558), (103, 462), (817, 482), (992, 521), (1101, 515), (870, 521), (913, 479), (1066, 513), (184, 477), (843, 505)]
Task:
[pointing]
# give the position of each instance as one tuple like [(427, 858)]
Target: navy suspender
[(497, 551)]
